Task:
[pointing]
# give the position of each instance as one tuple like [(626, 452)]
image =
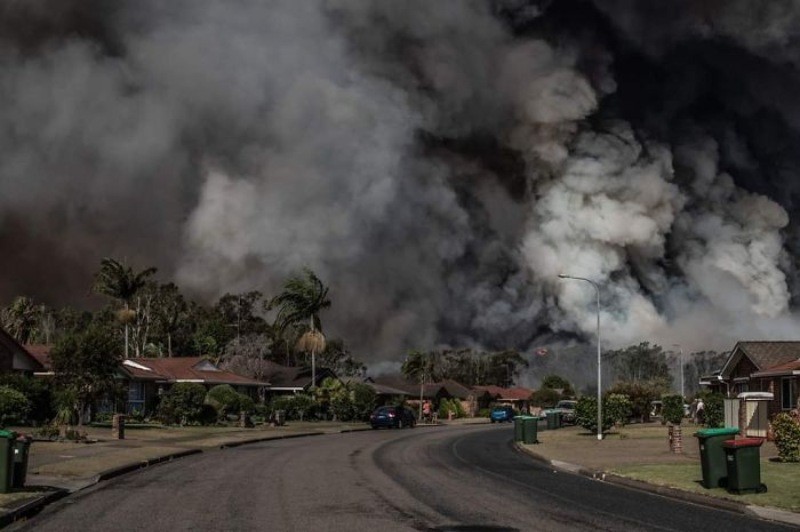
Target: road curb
[(135, 466), (664, 491), (31, 507)]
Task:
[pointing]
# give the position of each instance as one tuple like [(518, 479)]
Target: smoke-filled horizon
[(438, 164)]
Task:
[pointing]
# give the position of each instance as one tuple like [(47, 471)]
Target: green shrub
[(641, 396), (484, 412), (618, 407), (713, 409), (545, 398), (224, 399), (183, 404), (14, 406), (787, 437), (673, 409), (364, 401), (586, 414), (37, 391)]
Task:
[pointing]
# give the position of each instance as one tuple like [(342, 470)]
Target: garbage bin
[(529, 429), (7, 441), (22, 448), (712, 456), (743, 459), (553, 419), (519, 434)]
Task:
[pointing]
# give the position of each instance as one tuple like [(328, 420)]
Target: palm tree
[(120, 282), (303, 297), (21, 319), (419, 364)]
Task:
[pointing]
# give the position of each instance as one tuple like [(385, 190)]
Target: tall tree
[(169, 311), (303, 297), (84, 365), (21, 319), (121, 283), (641, 363)]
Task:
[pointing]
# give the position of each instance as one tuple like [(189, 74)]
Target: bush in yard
[(224, 399), (183, 404), (341, 405), (445, 407), (673, 409), (713, 409), (37, 391), (619, 408), (641, 396), (14, 406), (786, 429), (545, 398), (228, 401), (586, 414), (364, 399)]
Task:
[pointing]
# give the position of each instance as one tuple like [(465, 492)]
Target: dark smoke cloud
[(438, 164)]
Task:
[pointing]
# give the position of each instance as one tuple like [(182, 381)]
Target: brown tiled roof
[(508, 394), (429, 390), (296, 377), (18, 359), (176, 369), (41, 352), (783, 369), (765, 354)]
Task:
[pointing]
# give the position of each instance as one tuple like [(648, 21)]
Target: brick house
[(763, 367), (519, 398), (147, 378)]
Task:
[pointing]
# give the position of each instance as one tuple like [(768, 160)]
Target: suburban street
[(425, 479)]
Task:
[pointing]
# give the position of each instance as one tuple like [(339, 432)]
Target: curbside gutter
[(762, 512)]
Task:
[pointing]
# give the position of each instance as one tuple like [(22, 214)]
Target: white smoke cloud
[(433, 163)]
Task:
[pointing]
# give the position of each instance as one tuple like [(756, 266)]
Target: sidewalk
[(638, 456)]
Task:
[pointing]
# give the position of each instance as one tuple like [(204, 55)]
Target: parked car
[(397, 417), (502, 413), (567, 410)]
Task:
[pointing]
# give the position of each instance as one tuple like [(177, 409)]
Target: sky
[(437, 164)]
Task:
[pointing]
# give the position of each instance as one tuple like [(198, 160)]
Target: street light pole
[(680, 356), (599, 360)]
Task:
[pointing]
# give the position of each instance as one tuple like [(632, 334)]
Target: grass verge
[(782, 480)]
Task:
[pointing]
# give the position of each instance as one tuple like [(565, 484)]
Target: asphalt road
[(425, 479)]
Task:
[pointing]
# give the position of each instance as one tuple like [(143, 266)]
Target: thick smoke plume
[(437, 163)]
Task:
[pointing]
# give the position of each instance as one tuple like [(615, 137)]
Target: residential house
[(147, 378), (763, 367), (288, 380), (431, 391), (519, 398), (384, 394), (15, 358)]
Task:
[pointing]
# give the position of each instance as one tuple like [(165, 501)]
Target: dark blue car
[(392, 417), (502, 413)]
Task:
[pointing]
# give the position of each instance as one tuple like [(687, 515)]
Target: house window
[(135, 397), (787, 393)]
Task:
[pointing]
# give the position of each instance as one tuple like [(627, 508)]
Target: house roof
[(293, 377), (184, 369), (380, 389), (20, 358), (41, 352), (429, 389), (790, 368), (763, 355), (506, 394)]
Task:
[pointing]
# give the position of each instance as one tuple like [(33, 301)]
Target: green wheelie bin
[(743, 458), (553, 419), (712, 456), (530, 426), (519, 435), (8, 439), (21, 450)]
